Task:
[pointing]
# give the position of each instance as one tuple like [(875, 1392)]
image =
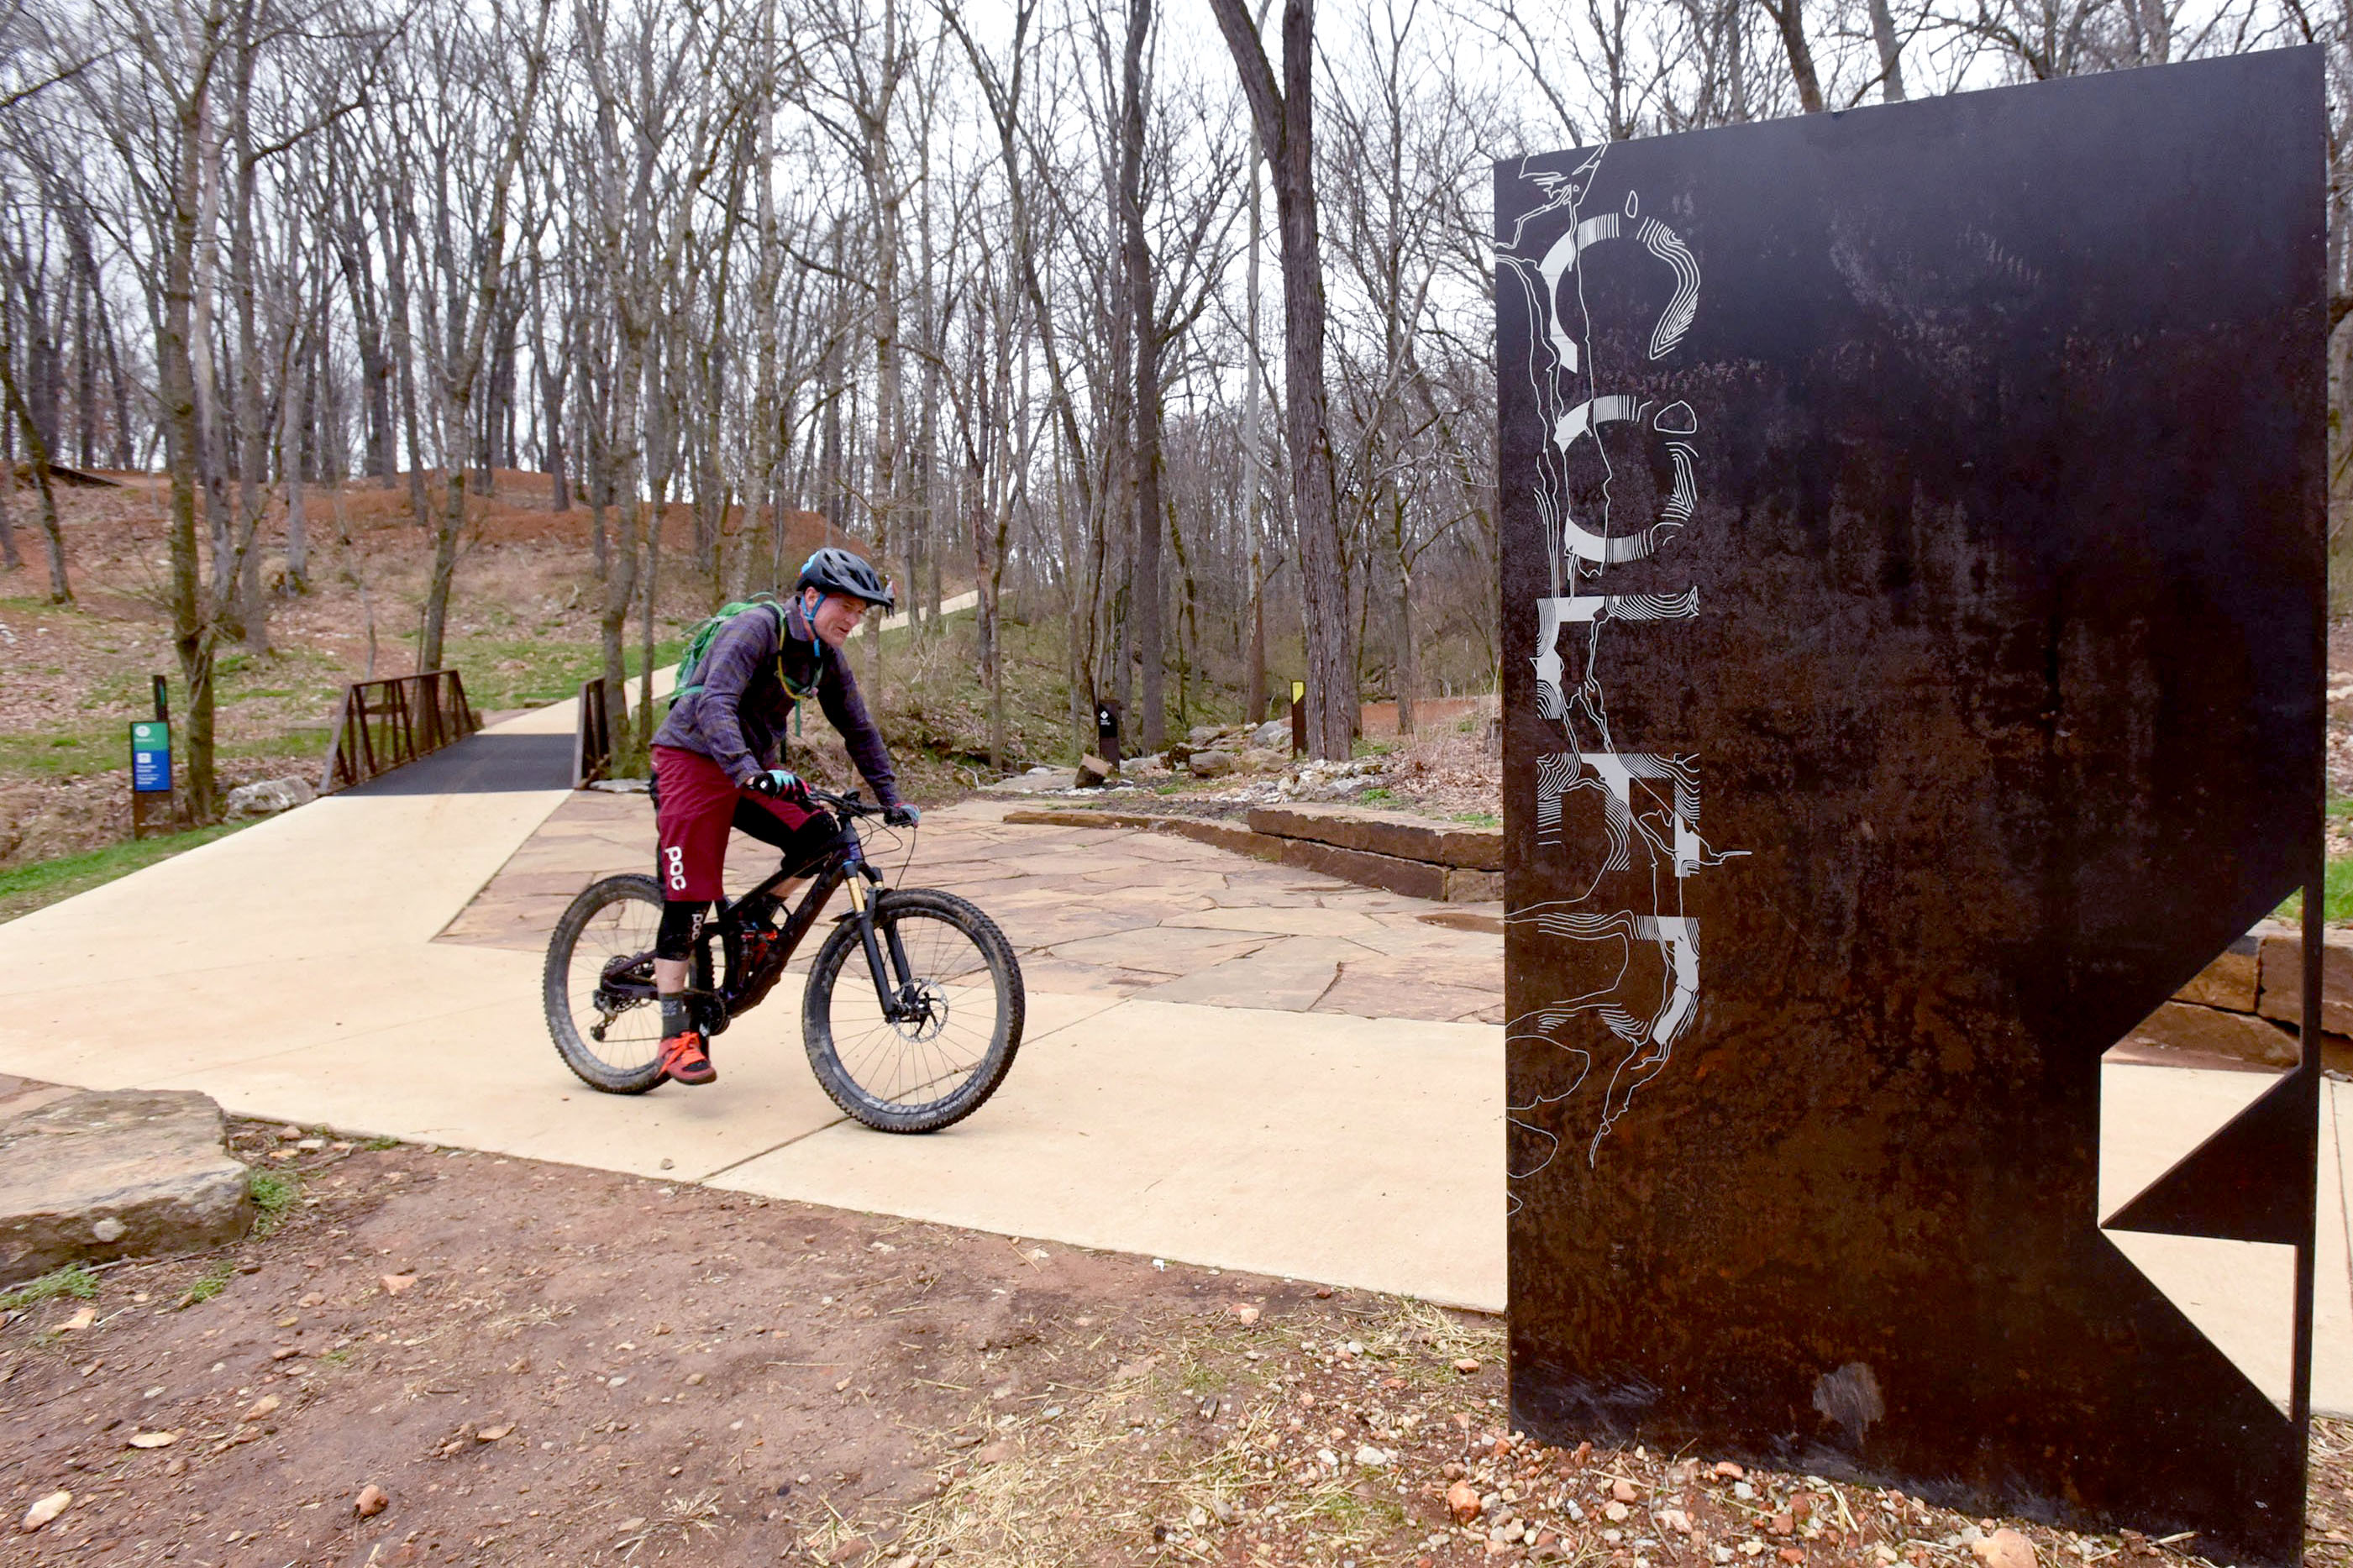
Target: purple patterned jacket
[(737, 718)]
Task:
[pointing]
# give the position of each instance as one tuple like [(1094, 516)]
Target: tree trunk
[(1789, 18), (383, 459), (1253, 476), (1891, 52), (37, 450), (191, 635), (889, 402), (85, 373), (253, 434), (293, 421), (121, 384), (1284, 118), (551, 391), (11, 558), (404, 357), (1145, 576), (1409, 672)]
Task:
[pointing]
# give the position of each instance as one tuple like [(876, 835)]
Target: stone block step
[(1395, 834), (116, 1174), (1395, 874)]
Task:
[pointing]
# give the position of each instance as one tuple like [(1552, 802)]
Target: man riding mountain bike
[(715, 763)]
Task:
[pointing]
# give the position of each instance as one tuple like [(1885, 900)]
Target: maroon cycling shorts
[(695, 804)]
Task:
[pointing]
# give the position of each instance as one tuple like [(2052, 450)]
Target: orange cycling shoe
[(685, 1060)]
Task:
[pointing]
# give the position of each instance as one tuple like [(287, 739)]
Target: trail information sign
[(151, 757), (150, 776)]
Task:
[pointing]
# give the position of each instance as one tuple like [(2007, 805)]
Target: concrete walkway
[(293, 971), (950, 605), (1226, 1062)]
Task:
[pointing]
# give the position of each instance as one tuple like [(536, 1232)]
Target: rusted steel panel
[(1913, 580)]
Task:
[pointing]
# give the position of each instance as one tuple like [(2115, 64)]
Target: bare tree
[(1284, 116)]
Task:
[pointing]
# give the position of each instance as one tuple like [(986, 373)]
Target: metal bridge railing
[(384, 723)]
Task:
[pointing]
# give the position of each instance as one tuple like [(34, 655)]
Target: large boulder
[(116, 1174), (268, 798), (1274, 734)]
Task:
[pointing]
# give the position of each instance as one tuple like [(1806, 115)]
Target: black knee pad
[(681, 919)]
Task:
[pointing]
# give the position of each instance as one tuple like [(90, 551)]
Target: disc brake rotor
[(930, 1012)]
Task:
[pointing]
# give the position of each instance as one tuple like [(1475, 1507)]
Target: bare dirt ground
[(541, 1364)]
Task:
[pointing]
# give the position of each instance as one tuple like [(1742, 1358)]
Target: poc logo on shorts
[(676, 859)]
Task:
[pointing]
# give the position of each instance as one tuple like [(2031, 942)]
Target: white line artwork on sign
[(1650, 800)]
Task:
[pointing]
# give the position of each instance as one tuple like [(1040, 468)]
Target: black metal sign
[(1913, 574)]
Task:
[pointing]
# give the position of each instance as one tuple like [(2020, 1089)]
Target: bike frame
[(843, 865)]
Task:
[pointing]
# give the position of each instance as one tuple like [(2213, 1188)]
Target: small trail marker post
[(151, 769), (1107, 718), (1298, 718)]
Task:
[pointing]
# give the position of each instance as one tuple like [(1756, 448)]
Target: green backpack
[(698, 642)]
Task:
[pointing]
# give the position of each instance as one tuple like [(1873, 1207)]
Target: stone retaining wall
[(1443, 861), (2248, 1003)]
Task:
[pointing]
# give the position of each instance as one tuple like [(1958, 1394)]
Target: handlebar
[(849, 805)]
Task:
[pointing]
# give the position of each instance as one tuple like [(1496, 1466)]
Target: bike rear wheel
[(915, 1074), (599, 984)]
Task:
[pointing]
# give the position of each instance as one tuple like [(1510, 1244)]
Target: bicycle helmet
[(833, 570)]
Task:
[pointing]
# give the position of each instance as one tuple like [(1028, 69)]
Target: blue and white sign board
[(151, 757)]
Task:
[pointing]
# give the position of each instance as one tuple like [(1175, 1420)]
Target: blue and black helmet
[(833, 570)]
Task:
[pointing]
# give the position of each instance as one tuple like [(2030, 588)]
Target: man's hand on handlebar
[(779, 784), (899, 813)]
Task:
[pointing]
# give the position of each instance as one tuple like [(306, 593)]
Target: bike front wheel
[(958, 988)]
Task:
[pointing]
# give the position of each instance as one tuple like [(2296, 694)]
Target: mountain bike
[(911, 1016)]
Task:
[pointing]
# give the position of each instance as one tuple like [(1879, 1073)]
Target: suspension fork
[(861, 904)]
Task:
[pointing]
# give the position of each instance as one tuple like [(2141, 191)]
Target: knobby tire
[(842, 1066)]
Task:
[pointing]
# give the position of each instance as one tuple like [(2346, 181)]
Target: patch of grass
[(336, 1358), (524, 672), (1353, 1515), (1477, 818), (378, 1145), (274, 1194), (1198, 1379), (310, 745), (68, 753), (73, 1280), (1378, 796), (209, 1284), (24, 888), (2336, 896), (1369, 748)]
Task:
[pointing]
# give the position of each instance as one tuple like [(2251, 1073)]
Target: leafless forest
[(1166, 324)]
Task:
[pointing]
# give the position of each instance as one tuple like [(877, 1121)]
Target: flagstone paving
[(1091, 912)]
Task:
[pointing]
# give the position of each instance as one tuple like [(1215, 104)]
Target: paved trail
[(1227, 1062)]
